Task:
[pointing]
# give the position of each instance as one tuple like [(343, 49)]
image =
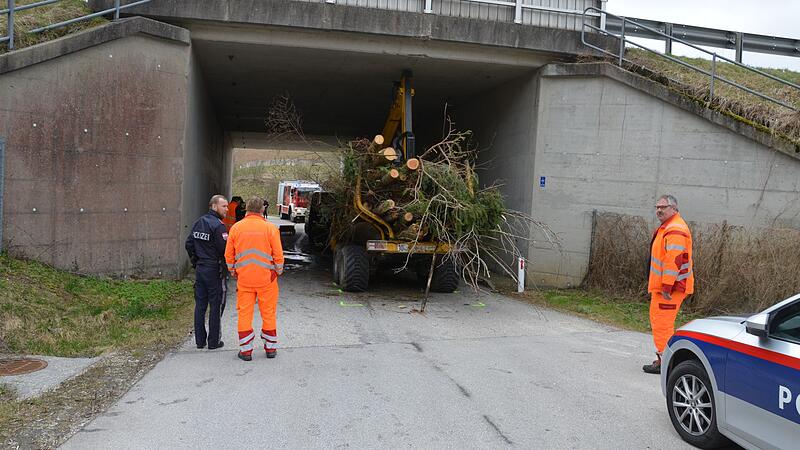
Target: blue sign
[(541, 182)]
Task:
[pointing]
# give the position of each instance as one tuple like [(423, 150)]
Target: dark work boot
[(245, 357), (654, 367), (272, 354), (220, 344)]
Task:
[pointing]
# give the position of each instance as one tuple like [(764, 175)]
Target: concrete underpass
[(115, 138)]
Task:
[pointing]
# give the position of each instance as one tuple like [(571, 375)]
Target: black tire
[(702, 430), (337, 264), (353, 268), (445, 277), (284, 216)]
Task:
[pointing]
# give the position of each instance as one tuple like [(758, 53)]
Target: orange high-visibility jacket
[(254, 251), (230, 216), (671, 258)]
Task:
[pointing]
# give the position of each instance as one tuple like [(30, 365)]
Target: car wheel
[(692, 407)]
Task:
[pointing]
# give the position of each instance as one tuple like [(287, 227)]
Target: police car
[(736, 378)]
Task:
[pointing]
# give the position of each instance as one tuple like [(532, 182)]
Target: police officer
[(206, 248)]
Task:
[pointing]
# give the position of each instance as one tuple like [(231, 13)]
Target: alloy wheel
[(691, 403)]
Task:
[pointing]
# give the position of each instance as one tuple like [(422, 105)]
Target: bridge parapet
[(556, 14), (560, 14)]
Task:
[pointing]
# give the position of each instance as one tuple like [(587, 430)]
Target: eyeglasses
[(663, 206)]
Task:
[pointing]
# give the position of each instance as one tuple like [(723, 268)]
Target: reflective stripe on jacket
[(254, 251), (671, 258)]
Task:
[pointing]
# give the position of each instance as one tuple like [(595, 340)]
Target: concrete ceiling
[(338, 92)]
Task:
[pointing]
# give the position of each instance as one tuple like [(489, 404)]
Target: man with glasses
[(671, 278)]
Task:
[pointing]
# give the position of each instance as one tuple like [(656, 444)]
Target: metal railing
[(713, 76), (561, 14), (12, 9), (734, 40)]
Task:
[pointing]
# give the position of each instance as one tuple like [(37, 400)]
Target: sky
[(769, 17)]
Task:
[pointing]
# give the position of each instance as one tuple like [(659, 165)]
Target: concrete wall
[(545, 34), (608, 146), (206, 161), (90, 133), (503, 121)]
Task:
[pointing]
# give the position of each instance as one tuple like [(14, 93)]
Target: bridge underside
[(345, 87)]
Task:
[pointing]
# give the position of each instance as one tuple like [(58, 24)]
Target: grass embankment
[(736, 102), (43, 16), (630, 314), (45, 311)]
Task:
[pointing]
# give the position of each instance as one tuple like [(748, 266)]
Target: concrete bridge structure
[(116, 137)]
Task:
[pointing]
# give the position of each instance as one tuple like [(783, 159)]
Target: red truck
[(293, 198)]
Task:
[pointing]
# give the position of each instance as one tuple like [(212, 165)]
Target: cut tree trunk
[(390, 177), (376, 144), (385, 156)]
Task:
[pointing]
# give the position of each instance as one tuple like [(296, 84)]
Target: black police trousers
[(209, 291)]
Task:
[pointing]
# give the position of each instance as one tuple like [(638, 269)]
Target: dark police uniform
[(206, 248)]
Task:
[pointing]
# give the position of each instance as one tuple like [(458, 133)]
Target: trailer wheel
[(445, 277), (353, 268), (337, 265)]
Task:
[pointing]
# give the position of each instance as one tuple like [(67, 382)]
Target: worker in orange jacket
[(230, 216), (671, 277), (255, 259)]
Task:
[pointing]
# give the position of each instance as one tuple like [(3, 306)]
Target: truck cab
[(293, 198)]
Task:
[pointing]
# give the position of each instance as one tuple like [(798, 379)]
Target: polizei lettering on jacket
[(201, 236)]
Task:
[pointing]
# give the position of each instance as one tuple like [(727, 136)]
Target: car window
[(786, 325)]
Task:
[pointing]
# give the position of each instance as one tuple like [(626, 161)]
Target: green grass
[(726, 70), (630, 314), (45, 311), (735, 102), (7, 404), (43, 16)]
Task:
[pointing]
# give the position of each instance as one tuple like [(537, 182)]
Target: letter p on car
[(785, 397)]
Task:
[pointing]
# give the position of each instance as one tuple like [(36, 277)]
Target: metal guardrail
[(626, 23), (733, 40), (12, 9)]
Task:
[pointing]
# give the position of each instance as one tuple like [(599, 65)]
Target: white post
[(521, 275), (518, 12), (602, 14), (428, 6)]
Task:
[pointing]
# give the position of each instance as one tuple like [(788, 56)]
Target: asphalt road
[(476, 370)]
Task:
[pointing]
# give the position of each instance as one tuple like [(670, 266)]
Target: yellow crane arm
[(399, 119)]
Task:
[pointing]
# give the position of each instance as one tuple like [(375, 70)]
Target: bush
[(737, 270)]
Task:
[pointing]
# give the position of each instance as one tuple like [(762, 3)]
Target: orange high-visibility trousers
[(663, 313), (267, 297)]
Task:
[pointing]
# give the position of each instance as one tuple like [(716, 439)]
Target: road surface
[(477, 370)]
